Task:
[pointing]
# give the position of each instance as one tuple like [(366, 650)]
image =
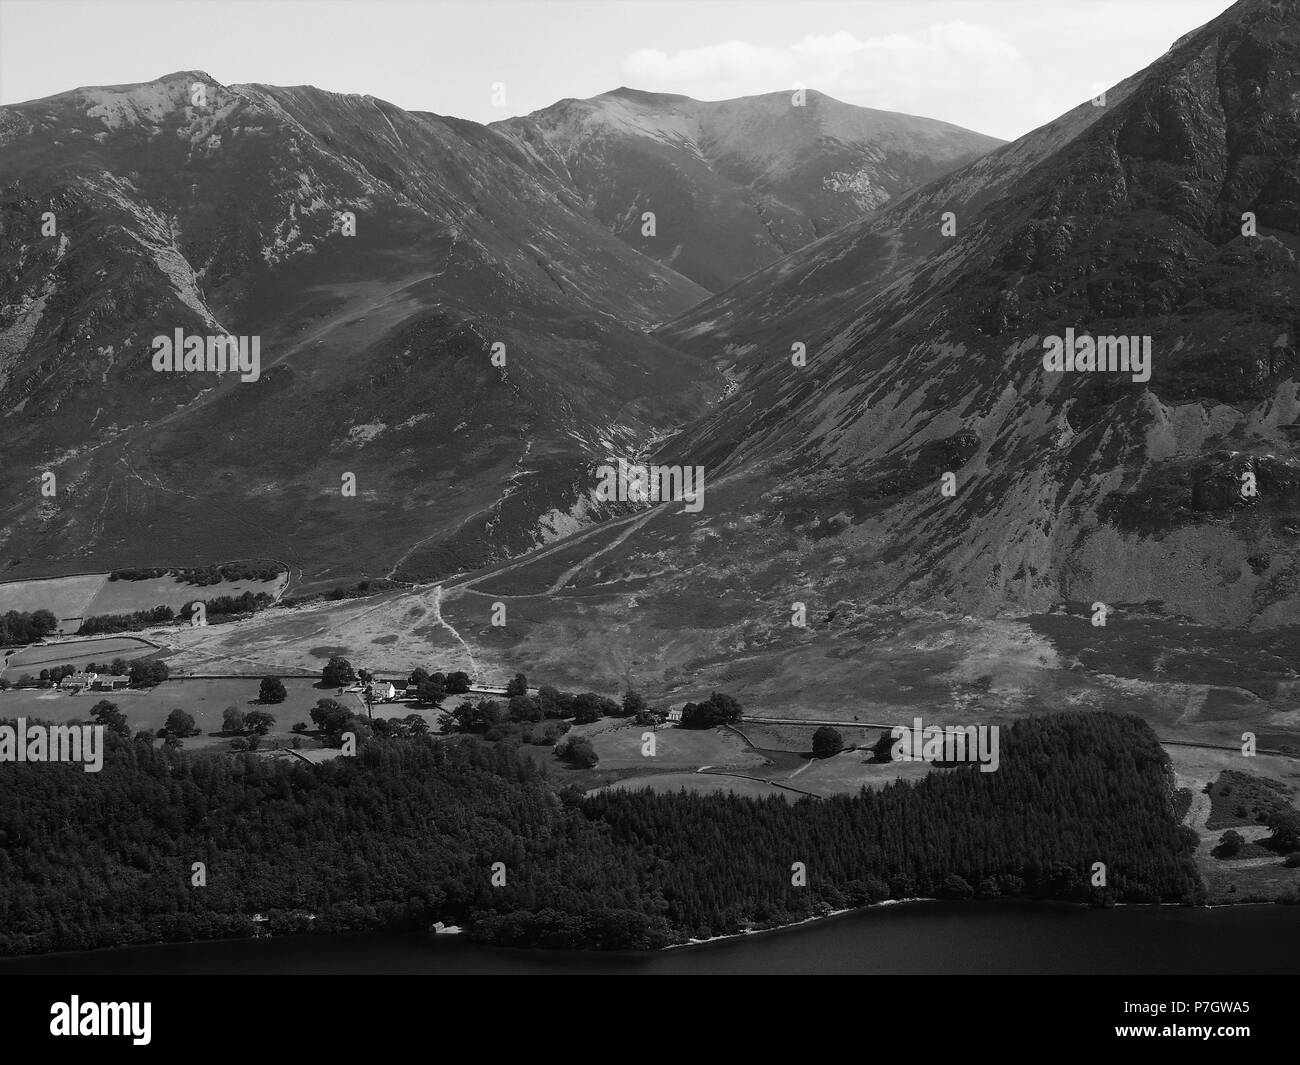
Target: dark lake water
[(925, 937)]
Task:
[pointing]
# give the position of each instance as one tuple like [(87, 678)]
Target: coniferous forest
[(409, 831)]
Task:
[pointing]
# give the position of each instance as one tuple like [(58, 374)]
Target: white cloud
[(965, 38), (844, 43), (956, 71), (715, 62)]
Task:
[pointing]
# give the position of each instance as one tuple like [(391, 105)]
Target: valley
[(844, 322), (856, 666)]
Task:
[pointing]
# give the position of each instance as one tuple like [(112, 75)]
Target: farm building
[(77, 681), (111, 684)]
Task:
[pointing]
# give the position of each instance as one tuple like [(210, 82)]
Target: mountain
[(925, 356), (924, 325), (735, 184), (827, 562), (133, 211)]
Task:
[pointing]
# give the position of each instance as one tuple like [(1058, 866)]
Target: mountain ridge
[(734, 184), (227, 216)]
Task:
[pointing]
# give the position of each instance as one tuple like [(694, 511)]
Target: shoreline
[(794, 924), (463, 935), (1073, 903)]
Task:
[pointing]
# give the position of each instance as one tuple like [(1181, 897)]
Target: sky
[(1001, 67)]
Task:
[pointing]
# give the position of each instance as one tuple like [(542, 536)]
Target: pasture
[(204, 699), (618, 744), (126, 597), (74, 598), (849, 771), (34, 658), (64, 597)]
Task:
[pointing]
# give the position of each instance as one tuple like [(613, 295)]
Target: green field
[(73, 652), (64, 597), (126, 597), (849, 771), (204, 699), (618, 745), (730, 761), (90, 594)]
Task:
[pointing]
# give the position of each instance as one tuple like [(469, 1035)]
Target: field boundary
[(106, 572), (760, 780), (62, 576)]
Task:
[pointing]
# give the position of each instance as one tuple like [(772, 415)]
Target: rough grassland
[(1258, 879), (64, 597), (300, 639)]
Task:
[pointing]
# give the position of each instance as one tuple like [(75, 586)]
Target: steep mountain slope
[(735, 184), (925, 357), (133, 211)]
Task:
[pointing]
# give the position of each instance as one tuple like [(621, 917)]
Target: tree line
[(219, 606), (407, 832), (203, 575)]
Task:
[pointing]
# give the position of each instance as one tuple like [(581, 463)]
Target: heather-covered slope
[(925, 356)]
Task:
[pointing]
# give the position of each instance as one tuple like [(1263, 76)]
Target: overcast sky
[(1000, 67)]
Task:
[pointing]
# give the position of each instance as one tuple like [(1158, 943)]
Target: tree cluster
[(718, 709), (97, 624), (203, 575), (18, 626), (148, 672), (405, 833)]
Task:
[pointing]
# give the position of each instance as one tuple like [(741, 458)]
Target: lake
[(923, 937)]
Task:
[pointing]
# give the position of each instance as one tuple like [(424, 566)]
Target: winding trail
[(437, 616), (574, 570)]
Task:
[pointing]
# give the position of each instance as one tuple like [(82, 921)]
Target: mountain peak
[(741, 182), (188, 77), (643, 96), (178, 81), (149, 104)]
